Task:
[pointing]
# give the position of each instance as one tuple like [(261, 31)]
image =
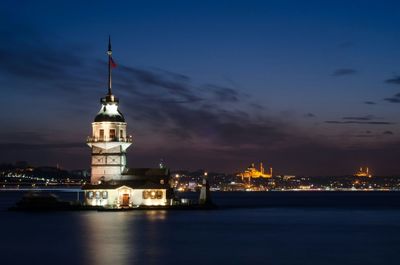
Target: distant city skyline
[(309, 88)]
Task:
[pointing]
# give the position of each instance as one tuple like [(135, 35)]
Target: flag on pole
[(113, 64)]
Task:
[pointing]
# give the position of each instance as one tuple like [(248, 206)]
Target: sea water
[(250, 228)]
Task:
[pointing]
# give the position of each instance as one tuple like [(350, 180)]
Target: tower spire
[(109, 52)]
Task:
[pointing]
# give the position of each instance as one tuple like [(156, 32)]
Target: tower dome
[(109, 111)]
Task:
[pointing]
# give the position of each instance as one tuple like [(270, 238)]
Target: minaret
[(109, 139)]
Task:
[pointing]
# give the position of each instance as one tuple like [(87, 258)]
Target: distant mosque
[(113, 184)]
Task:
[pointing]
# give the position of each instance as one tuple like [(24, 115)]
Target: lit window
[(90, 194), (161, 181), (152, 194), (101, 134), (112, 134)]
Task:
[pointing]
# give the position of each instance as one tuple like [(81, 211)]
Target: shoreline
[(75, 189)]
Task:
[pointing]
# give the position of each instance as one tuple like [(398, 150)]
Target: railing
[(92, 139)]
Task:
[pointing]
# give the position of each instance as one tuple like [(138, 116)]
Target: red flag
[(113, 64)]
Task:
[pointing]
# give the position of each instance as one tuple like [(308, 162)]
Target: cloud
[(361, 118), (36, 62), (171, 104), (188, 112), (361, 122), (166, 105), (394, 80), (39, 64), (364, 136), (223, 94), (388, 132), (344, 71), (177, 86), (309, 115), (394, 99), (370, 102), (42, 146), (23, 136), (170, 114)]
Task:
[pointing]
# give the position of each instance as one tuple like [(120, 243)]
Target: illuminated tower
[(109, 139)]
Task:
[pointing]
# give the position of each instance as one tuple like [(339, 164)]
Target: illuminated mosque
[(363, 173), (112, 183), (252, 172)]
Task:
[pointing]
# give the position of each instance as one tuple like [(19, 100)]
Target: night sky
[(309, 87)]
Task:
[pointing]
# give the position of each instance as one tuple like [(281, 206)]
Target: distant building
[(363, 173), (252, 172), (113, 184)]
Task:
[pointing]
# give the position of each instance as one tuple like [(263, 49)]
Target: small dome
[(109, 112), (102, 117)]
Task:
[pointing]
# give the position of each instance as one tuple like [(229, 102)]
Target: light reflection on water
[(108, 238), (235, 236), (113, 237)]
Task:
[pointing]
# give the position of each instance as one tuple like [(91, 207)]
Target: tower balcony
[(92, 139)]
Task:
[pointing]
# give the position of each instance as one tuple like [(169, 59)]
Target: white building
[(112, 183)]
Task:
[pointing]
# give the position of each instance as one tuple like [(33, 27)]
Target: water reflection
[(233, 236), (108, 238), (123, 237), (156, 215)]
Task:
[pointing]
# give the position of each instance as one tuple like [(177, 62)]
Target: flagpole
[(109, 52)]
